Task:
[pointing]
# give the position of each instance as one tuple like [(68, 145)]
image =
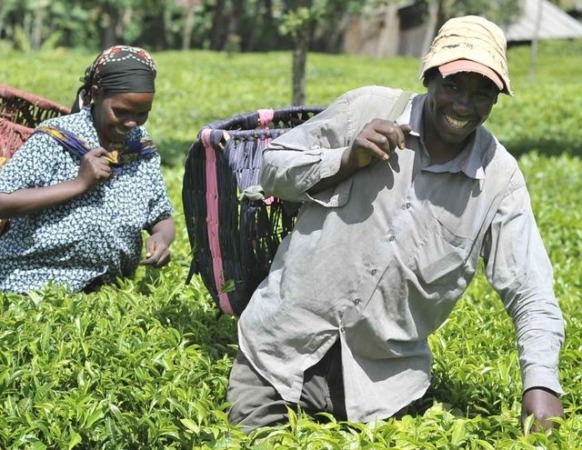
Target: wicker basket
[(20, 113), (12, 136), (27, 109), (234, 239)]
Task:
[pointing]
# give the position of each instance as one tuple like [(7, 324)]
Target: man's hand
[(543, 404), (377, 140)]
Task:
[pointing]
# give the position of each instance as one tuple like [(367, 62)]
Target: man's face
[(456, 106)]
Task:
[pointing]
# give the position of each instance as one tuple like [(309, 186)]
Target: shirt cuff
[(331, 161), (330, 165), (542, 377)]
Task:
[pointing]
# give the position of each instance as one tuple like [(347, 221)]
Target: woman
[(83, 187)]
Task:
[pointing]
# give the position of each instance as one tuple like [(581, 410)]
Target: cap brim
[(466, 65)]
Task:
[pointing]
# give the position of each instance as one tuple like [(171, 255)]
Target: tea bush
[(146, 365)]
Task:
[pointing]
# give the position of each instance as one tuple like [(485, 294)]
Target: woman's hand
[(158, 244), (94, 168)]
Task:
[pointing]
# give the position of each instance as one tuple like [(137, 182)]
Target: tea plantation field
[(146, 365)]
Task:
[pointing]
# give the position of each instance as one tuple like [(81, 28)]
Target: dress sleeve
[(519, 269), (160, 206), (32, 165)]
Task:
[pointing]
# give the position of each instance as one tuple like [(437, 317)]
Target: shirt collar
[(469, 160)]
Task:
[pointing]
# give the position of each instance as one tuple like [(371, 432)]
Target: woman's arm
[(94, 168)]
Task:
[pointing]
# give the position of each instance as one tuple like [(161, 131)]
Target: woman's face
[(115, 115)]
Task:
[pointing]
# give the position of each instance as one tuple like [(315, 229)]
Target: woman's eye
[(120, 112)]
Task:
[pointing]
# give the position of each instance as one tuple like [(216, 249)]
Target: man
[(395, 216)]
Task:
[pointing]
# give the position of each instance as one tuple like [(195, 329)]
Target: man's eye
[(484, 96)]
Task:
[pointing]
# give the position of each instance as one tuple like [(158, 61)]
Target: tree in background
[(246, 25), (220, 25), (299, 20)]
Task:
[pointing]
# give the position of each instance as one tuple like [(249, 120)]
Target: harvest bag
[(234, 232), (20, 113)]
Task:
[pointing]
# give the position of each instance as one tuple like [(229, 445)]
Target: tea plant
[(146, 365)]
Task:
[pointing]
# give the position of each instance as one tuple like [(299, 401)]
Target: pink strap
[(265, 117), (213, 220)]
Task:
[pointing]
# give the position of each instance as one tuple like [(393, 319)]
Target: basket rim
[(10, 92), (240, 122)]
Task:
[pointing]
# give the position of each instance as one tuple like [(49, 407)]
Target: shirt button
[(357, 301), (374, 272), (342, 330), (408, 205), (391, 238)]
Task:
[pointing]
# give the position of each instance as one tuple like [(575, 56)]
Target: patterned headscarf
[(118, 69)]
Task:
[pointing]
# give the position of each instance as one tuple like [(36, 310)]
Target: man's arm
[(377, 140), (327, 149), (519, 269)]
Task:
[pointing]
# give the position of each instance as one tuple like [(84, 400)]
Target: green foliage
[(146, 365), (502, 12)]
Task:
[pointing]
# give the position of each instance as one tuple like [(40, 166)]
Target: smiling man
[(401, 196)]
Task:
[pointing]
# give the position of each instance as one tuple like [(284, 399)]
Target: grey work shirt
[(381, 259)]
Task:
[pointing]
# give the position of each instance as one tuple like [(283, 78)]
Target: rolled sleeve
[(289, 174), (302, 157)]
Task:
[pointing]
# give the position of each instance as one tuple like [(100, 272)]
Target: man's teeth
[(456, 123)]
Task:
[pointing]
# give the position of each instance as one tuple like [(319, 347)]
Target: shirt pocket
[(442, 255)]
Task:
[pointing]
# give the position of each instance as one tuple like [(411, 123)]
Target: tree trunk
[(534, 43), (300, 64), (219, 28), (188, 27), (109, 32), (36, 36), (431, 27)]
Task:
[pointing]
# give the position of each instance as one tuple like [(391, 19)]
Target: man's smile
[(454, 123)]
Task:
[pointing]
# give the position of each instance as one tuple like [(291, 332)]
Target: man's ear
[(428, 76)]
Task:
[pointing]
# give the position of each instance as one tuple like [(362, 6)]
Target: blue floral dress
[(95, 235)]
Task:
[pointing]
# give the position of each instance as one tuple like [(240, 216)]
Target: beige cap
[(473, 44)]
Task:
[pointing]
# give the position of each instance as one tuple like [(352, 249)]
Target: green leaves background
[(146, 365)]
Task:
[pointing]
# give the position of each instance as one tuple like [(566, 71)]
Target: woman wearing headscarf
[(84, 186)]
